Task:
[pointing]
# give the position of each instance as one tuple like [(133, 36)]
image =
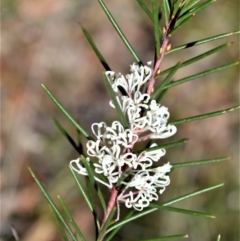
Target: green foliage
[(167, 18)]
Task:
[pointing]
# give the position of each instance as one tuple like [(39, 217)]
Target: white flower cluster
[(131, 172)]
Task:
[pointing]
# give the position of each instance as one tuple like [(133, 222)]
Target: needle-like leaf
[(156, 27), (166, 238), (198, 75), (93, 182), (200, 162), (165, 11), (115, 101), (167, 145), (199, 57), (161, 95), (183, 211), (71, 219), (145, 9), (95, 49), (119, 31), (60, 226), (82, 191), (68, 137), (202, 41), (111, 235), (53, 206), (204, 116), (106, 225), (79, 127), (143, 213), (193, 11), (165, 81)]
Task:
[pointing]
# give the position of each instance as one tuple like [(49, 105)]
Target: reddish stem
[(157, 65), (111, 204)]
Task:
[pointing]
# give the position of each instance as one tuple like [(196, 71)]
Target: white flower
[(132, 172), (132, 82), (78, 167), (136, 202), (145, 159), (145, 182)]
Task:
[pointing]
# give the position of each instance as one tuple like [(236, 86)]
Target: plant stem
[(156, 70), (111, 205)]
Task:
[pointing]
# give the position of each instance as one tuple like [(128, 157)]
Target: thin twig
[(111, 205), (158, 63)]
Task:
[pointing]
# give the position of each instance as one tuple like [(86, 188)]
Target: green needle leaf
[(167, 145), (95, 49), (66, 113), (111, 235), (202, 41), (156, 27), (69, 138), (183, 211), (165, 11), (165, 81), (60, 226), (162, 94), (190, 4), (200, 162), (204, 116), (119, 31), (219, 237), (143, 213), (54, 207), (181, 24), (115, 101), (71, 219), (93, 182), (172, 237), (106, 225), (193, 11), (81, 190), (195, 59), (145, 9), (198, 75)]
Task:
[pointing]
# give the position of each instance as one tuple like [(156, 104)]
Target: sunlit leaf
[(71, 219), (68, 137), (180, 210), (111, 235), (95, 49), (197, 58), (53, 206), (119, 31), (198, 75), (172, 237), (204, 116), (102, 232), (200, 162), (156, 27), (202, 41), (165, 81), (145, 212), (79, 127)]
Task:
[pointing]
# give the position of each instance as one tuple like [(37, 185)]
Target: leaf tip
[(31, 172), (186, 236)]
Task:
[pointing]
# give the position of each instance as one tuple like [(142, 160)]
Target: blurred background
[(42, 43)]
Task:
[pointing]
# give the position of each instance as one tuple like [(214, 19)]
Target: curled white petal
[(78, 167)]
